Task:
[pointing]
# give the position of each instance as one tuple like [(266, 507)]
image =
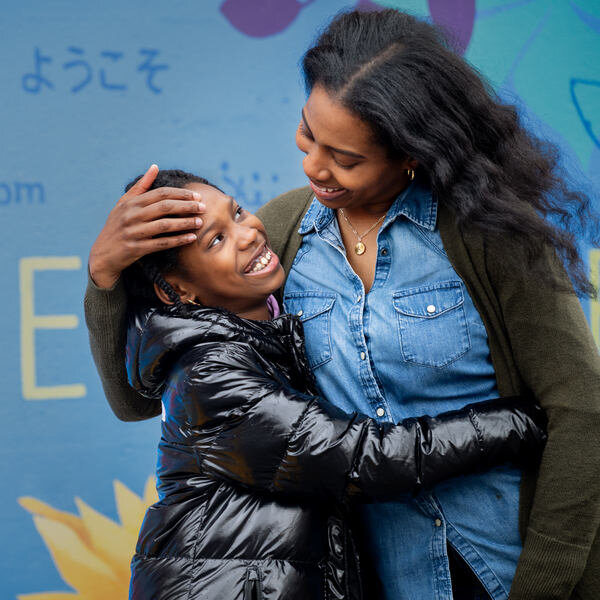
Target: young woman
[(424, 268), (254, 469)]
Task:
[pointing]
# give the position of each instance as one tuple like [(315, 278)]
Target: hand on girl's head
[(140, 215)]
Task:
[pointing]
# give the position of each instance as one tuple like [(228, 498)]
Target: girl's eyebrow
[(213, 223), (338, 150)]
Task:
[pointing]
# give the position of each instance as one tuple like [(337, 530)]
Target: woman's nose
[(315, 167)]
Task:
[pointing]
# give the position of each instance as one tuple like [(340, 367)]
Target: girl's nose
[(248, 236)]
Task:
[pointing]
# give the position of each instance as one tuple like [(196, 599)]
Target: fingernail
[(197, 196), (190, 237), (198, 222), (201, 207)]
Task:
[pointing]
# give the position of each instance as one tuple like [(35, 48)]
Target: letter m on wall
[(30, 322)]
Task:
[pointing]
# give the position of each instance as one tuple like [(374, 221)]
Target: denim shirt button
[(431, 309), (438, 522), (300, 313), (363, 356), (380, 412), (384, 252)]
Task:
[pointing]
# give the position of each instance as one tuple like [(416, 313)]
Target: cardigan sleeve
[(106, 310), (106, 320), (558, 361)]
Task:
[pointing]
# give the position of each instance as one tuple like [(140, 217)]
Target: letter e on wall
[(594, 258), (30, 322)]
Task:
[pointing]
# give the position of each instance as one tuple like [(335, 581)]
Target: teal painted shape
[(586, 99), (414, 7), (534, 49)]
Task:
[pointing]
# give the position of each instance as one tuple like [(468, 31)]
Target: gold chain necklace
[(360, 247)]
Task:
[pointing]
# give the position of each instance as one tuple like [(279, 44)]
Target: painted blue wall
[(92, 93)]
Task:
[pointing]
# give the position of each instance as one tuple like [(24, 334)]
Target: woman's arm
[(265, 435), (128, 234), (556, 357)]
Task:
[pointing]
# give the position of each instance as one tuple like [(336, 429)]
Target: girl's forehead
[(214, 199)]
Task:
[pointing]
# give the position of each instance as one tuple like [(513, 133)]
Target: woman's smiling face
[(230, 265), (346, 168)]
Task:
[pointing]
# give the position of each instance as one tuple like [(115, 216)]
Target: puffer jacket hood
[(255, 471), (157, 337)]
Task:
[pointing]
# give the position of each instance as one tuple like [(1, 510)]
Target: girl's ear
[(162, 295), (179, 288)]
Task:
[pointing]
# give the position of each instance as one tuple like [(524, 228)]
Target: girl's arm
[(261, 433)]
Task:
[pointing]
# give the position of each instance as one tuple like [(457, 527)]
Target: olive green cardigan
[(539, 342)]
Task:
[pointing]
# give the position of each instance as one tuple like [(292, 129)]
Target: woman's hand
[(139, 215)]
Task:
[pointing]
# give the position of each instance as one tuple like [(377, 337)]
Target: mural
[(91, 551), (212, 87)]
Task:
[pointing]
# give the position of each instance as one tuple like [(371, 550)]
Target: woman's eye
[(215, 241), (305, 132), (342, 166), (239, 212)]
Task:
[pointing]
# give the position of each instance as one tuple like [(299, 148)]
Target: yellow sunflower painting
[(91, 552)]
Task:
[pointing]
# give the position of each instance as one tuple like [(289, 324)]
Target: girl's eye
[(216, 240)]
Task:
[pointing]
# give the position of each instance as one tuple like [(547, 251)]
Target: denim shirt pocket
[(432, 324), (314, 310)]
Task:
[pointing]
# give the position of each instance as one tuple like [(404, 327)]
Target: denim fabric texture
[(415, 344)]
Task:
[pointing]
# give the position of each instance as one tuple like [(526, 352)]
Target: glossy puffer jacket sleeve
[(271, 438)]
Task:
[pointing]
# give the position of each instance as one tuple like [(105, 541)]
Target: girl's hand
[(139, 215)]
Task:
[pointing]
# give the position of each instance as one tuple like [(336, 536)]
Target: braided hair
[(140, 277)]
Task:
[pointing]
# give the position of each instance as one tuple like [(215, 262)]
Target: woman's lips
[(326, 193)]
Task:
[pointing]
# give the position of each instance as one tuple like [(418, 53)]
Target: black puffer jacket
[(254, 469)]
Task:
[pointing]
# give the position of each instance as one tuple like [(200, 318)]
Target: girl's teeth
[(262, 262)]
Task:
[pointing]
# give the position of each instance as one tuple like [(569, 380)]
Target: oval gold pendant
[(360, 248)]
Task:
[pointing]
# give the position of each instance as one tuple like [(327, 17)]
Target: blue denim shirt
[(414, 344)]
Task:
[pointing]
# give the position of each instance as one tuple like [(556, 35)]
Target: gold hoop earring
[(411, 174)]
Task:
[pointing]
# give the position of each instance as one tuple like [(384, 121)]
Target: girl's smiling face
[(230, 265)]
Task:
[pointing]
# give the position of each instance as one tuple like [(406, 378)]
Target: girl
[(255, 470)]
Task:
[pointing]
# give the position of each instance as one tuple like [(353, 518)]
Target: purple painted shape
[(262, 18), (367, 5), (457, 16)]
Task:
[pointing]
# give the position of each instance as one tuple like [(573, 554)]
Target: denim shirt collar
[(416, 203)]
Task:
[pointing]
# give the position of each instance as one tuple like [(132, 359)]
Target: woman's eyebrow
[(338, 150)]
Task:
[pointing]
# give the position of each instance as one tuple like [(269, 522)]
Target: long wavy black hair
[(140, 277), (400, 76)]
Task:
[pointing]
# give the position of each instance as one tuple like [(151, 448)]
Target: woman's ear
[(410, 163)]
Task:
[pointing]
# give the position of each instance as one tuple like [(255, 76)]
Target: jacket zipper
[(252, 586)]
